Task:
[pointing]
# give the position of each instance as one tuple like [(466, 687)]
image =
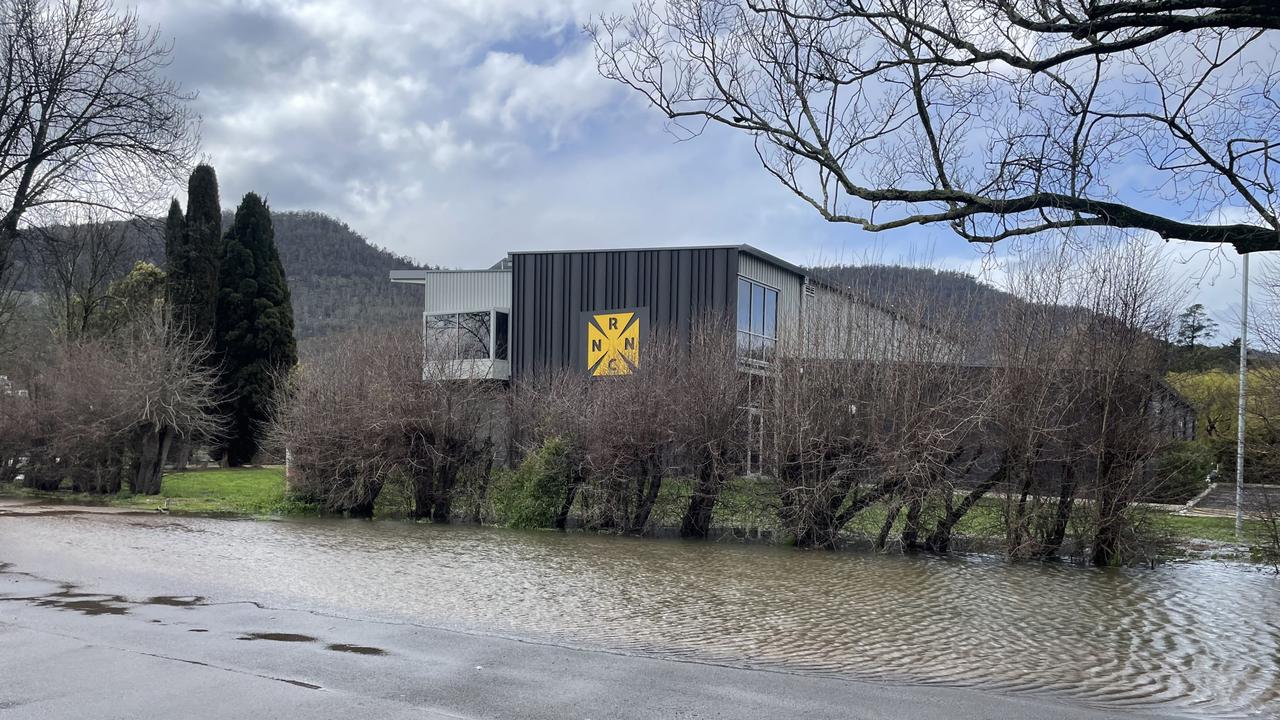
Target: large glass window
[(467, 336), (500, 336), (757, 319)]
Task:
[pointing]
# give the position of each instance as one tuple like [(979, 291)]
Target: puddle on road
[(85, 603), (278, 637), (175, 600), (357, 649)]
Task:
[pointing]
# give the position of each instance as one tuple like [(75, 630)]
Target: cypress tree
[(195, 261), (254, 331), (175, 238)]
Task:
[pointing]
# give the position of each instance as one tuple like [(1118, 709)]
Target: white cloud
[(456, 130), (519, 95)]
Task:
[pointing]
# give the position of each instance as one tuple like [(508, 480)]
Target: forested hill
[(337, 278), (940, 291), (950, 299)]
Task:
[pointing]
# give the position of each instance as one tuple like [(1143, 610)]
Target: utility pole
[(1244, 360)]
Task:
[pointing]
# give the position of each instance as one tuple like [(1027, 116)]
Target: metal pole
[(1244, 360)]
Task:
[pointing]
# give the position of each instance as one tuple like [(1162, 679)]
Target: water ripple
[(1200, 638)]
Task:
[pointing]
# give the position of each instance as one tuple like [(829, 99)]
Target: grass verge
[(256, 491)]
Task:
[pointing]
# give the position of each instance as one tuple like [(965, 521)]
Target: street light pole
[(1244, 360)]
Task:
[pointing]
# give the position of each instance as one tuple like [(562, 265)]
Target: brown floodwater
[(1198, 638)]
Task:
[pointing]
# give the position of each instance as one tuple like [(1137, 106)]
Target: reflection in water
[(1201, 638)]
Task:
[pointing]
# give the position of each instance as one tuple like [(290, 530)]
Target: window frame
[(757, 346)]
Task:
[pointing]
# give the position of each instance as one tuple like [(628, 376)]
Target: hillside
[(337, 278), (951, 300)]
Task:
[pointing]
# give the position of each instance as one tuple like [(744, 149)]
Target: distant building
[(595, 309)]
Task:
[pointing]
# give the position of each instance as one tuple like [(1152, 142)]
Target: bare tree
[(997, 118), (710, 395), (366, 411), (557, 404), (86, 116), (867, 406), (77, 264), (104, 409), (335, 415), (631, 444), (446, 425), (170, 389), (1084, 412), (78, 422)]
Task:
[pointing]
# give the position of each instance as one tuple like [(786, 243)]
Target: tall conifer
[(199, 282), (254, 332), (175, 237)]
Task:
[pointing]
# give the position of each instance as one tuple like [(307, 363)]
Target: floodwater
[(1201, 639)]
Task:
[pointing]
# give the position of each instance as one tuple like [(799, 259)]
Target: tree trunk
[(152, 444), (939, 540), (441, 495), (697, 516), (653, 475), (911, 528), (424, 494), (891, 516), (1106, 541), (181, 454), (570, 494), (1066, 501)]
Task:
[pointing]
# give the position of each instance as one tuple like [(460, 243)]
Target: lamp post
[(1244, 359)]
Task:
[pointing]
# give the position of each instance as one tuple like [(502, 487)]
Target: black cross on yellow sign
[(613, 343)]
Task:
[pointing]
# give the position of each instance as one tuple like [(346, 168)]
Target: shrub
[(531, 495), (1184, 468)]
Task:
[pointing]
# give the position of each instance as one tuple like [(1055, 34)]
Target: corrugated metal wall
[(467, 291), (552, 290)]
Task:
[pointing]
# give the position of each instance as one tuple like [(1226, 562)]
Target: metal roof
[(504, 265), (420, 276), (750, 250)]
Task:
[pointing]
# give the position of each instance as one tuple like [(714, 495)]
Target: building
[(594, 309)]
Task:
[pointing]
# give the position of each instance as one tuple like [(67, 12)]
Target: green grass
[(745, 503), (749, 503), (220, 491), (1212, 529)]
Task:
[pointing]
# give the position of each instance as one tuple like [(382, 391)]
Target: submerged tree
[(254, 330), (998, 119)]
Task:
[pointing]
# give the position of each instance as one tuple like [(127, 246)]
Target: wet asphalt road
[(95, 641)]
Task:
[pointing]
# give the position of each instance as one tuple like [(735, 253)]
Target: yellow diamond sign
[(613, 343)]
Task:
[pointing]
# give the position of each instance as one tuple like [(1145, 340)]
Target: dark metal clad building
[(671, 288), (594, 310)]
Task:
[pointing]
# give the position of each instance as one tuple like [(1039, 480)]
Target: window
[(467, 336), (500, 336), (757, 320)]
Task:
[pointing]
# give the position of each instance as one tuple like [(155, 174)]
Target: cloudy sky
[(453, 131)]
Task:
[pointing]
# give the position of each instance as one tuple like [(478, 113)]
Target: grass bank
[(747, 503), (751, 504), (257, 491)]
